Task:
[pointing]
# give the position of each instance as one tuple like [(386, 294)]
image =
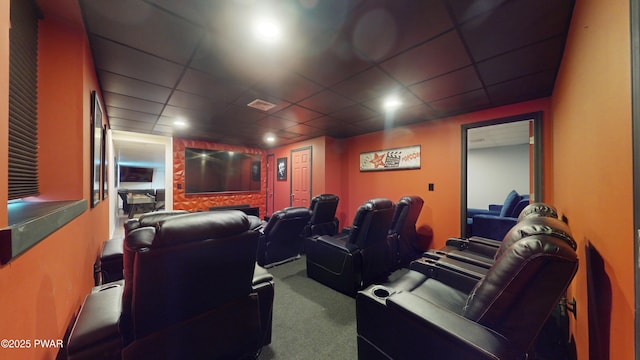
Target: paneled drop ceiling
[(333, 67)]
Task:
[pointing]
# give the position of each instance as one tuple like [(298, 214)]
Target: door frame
[(537, 159), (635, 125), (271, 158), (310, 148)]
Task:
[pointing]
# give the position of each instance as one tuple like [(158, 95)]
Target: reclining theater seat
[(403, 229), (190, 294), (281, 239), (348, 262), (323, 215), (429, 315), (484, 250), (109, 265)]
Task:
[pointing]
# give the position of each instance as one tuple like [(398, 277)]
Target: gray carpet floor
[(310, 320)]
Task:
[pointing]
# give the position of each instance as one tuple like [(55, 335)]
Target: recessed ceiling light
[(270, 138), (267, 30), (180, 122), (391, 103)]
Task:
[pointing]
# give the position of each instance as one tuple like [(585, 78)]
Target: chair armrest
[(461, 276), (495, 208), (96, 328), (422, 327)]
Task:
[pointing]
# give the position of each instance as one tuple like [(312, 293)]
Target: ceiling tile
[(541, 56), (366, 85), (156, 31), (114, 112), (385, 28), (515, 24), (462, 103), (326, 102), (203, 84), (276, 123), (131, 103), (353, 113), (467, 9), (196, 103), (134, 63), (122, 85), (292, 87), (298, 114), (447, 85), (436, 57), (525, 88)]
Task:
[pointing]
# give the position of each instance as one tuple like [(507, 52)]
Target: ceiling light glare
[(270, 138), (180, 123), (267, 30), (392, 103)]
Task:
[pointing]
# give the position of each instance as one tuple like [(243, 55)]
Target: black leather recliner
[(191, 293), (281, 239), (323, 215), (350, 261), (432, 315), (404, 239), (109, 266), (484, 250)]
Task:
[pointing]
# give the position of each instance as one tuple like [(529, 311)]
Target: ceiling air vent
[(261, 105)]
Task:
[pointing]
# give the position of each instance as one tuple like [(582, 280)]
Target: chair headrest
[(537, 226), (538, 209), (411, 199), (290, 213), (152, 218), (200, 226), (325, 197)]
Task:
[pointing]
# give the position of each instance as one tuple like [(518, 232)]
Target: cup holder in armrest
[(381, 292)]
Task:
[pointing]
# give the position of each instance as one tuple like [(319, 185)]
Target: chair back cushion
[(523, 286), (195, 263), (372, 222), (323, 208), (404, 218)]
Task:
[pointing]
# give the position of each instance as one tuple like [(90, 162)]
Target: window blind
[(23, 100)]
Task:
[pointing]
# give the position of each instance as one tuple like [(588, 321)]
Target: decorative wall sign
[(391, 159)]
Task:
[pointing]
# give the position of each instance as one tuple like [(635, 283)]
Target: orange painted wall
[(326, 172), (202, 202), (440, 164), (591, 107), (43, 288)]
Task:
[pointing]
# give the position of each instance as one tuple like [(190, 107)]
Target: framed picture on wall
[(96, 149), (281, 169), (105, 163)]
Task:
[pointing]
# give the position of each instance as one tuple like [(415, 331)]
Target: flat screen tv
[(215, 171), (136, 174)]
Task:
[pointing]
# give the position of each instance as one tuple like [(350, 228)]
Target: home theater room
[(320, 179)]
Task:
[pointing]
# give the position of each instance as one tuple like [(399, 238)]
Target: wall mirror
[(498, 156)]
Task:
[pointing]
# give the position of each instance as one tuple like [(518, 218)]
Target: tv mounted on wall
[(135, 174), (214, 171)]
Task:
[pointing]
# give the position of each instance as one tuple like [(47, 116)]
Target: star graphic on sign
[(378, 160)]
